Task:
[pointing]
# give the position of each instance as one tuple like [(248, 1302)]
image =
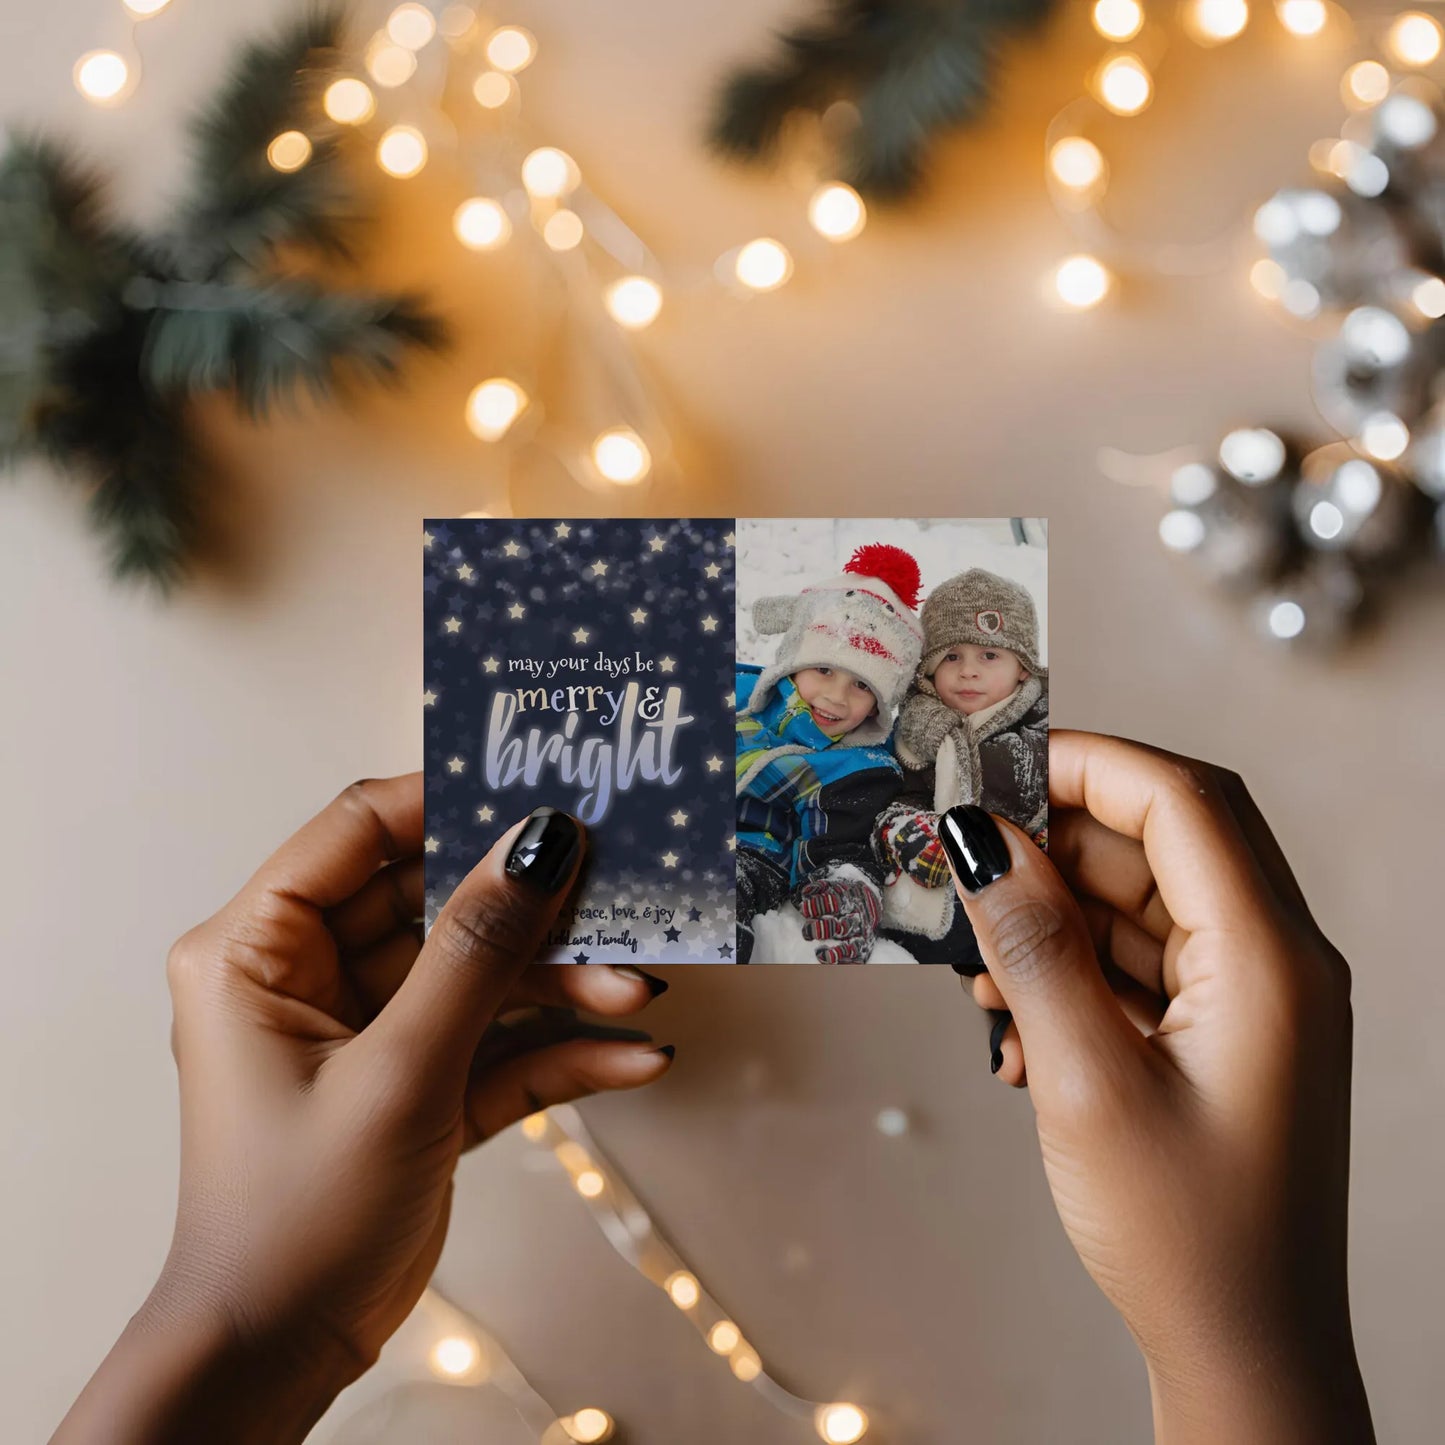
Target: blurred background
[(829, 1155)]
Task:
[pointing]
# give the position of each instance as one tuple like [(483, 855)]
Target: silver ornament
[(1377, 374)]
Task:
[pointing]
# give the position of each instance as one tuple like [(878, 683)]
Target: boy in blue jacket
[(814, 768)]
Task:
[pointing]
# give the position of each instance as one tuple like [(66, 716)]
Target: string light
[(836, 211), (763, 265), (349, 101), (682, 1289), (1414, 39), (455, 1357), (1384, 436), (1302, 17), (402, 151), (1365, 84), (746, 1364), (1081, 282), (590, 1184), (1124, 85), (101, 76), (1118, 19), (1428, 297), (144, 9), (481, 224), (492, 89), (634, 302), (589, 1426), (621, 456), (494, 406), (548, 173), (511, 49), (563, 230), (1286, 620), (389, 65), (840, 1424), (1076, 163), (456, 21), (723, 1338), (1215, 21), (411, 26), (289, 151)]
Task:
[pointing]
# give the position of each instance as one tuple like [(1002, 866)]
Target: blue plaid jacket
[(802, 800)]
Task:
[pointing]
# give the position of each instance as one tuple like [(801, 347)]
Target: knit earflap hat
[(986, 610), (864, 621)]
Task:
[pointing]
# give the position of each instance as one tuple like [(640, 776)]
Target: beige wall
[(153, 755)]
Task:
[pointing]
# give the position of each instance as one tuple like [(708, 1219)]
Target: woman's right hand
[(1184, 1030)]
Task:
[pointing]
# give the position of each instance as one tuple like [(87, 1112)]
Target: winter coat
[(997, 760), (803, 801)]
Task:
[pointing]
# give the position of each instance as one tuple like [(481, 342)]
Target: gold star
[(669, 859), (432, 844), (679, 819), (485, 815), (599, 568), (709, 624), (657, 543), (730, 538), (581, 635), (456, 765), (428, 698), (639, 614), (454, 624), (464, 572), (512, 548), (713, 570), (666, 664), (714, 764), (516, 611), (491, 664), (427, 539), (562, 531)]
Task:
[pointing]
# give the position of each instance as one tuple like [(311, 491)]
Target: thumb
[(489, 931), (1036, 945)]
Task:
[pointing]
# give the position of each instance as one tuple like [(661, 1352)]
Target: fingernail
[(654, 984), (669, 1049), (995, 1062), (545, 850), (1001, 1021), (974, 846)]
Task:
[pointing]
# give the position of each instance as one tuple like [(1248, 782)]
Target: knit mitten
[(910, 844), (843, 915)]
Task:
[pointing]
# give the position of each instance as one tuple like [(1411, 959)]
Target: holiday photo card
[(862, 676)]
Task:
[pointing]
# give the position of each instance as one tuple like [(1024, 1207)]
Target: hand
[(1184, 1031), (842, 913), (911, 846), (332, 1068)]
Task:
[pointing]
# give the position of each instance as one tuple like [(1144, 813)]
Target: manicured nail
[(1001, 1021), (545, 850), (995, 1062), (669, 1049), (654, 984), (974, 846)]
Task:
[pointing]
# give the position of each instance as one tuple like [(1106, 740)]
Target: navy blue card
[(588, 665)]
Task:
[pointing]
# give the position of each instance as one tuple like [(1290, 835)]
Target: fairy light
[(492, 408), (723, 1338), (1326, 521), (1428, 297), (1081, 282), (634, 302), (1118, 19), (402, 151), (144, 9), (1215, 21), (589, 1426), (492, 90), (1286, 620), (836, 211), (349, 101), (1384, 435), (745, 1364), (682, 1289), (563, 230), (481, 224), (511, 49), (589, 1184), (1181, 531), (534, 1126), (621, 456), (411, 26), (840, 1423), (1414, 39), (101, 76), (389, 65), (1302, 17), (548, 173), (289, 151), (456, 21), (454, 1356), (1124, 85), (1269, 278), (1076, 163), (1365, 84), (763, 265)]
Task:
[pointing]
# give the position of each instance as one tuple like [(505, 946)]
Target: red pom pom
[(891, 565)]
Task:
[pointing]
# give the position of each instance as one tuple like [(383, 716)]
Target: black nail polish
[(545, 850), (655, 985), (974, 846), (1001, 1021), (669, 1049), (995, 1062)]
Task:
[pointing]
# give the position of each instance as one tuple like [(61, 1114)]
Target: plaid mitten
[(911, 846), (842, 914)]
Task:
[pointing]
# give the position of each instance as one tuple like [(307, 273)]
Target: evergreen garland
[(106, 334), (913, 68)]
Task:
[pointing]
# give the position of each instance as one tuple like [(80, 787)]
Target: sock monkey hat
[(864, 620)]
